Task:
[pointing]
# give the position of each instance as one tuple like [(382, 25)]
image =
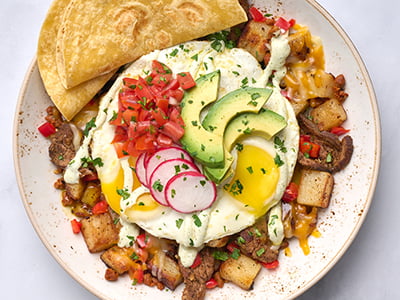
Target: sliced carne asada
[(62, 149), (195, 278), (254, 242), (335, 154)]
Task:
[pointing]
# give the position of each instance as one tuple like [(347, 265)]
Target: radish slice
[(190, 191), (140, 169), (162, 155), (164, 172)]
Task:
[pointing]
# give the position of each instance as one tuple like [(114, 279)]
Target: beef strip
[(62, 149), (340, 150), (195, 278), (254, 242)]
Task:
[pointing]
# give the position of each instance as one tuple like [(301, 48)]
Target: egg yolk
[(255, 179), (110, 189)]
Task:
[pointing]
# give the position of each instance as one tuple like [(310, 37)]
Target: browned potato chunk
[(299, 106), (75, 190), (91, 194), (315, 188), (241, 271), (118, 259), (99, 232), (329, 114), (254, 39), (165, 269)]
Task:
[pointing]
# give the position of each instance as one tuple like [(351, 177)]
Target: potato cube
[(254, 39), (241, 271), (315, 188), (75, 190), (118, 259), (329, 114), (99, 232), (165, 269)]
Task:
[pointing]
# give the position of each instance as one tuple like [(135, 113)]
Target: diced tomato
[(284, 24), (176, 94), (163, 140), (173, 85), (197, 261), (130, 82), (120, 135), (271, 265), (186, 80), (212, 283), (138, 275), (117, 119), (256, 15), (131, 149), (100, 207), (130, 115), (291, 193), (144, 115), (232, 246), (339, 130), (47, 129), (159, 116), (145, 142), (160, 68), (142, 240), (162, 80), (121, 149), (173, 130), (142, 253), (176, 117), (162, 103), (76, 226)]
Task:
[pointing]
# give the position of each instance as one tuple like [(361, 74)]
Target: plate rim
[(370, 195)]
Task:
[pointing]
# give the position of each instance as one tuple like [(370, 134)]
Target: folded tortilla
[(69, 102), (99, 36)]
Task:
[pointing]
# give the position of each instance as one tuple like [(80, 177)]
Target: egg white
[(227, 215)]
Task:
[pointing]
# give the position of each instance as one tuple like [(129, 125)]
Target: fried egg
[(262, 168)]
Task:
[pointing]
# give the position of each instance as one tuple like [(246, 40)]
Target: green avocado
[(266, 123), (204, 140), (196, 139)]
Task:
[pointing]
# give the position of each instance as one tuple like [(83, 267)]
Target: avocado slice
[(266, 124), (239, 101), (196, 139)]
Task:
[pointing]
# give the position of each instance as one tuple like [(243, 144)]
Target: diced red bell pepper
[(309, 148), (142, 240), (232, 246), (76, 226), (100, 207), (291, 193), (284, 24), (271, 265), (47, 129), (197, 261), (212, 283), (186, 80), (256, 15), (339, 130)]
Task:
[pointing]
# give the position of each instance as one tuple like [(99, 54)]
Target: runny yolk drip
[(255, 179), (110, 189)]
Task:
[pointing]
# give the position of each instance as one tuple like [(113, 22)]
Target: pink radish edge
[(161, 155), (140, 169), (189, 199), (164, 172)]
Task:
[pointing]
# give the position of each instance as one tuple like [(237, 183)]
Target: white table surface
[(369, 269)]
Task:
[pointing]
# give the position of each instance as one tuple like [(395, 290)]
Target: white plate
[(338, 224)]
